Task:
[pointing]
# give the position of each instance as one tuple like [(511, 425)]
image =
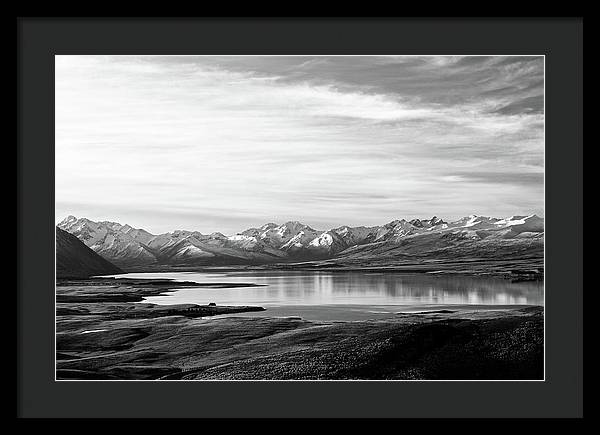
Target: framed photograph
[(370, 218)]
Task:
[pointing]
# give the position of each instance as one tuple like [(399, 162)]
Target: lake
[(316, 295)]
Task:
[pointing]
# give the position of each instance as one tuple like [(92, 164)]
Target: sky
[(225, 143)]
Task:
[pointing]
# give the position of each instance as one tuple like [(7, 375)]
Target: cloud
[(329, 140), (535, 179)]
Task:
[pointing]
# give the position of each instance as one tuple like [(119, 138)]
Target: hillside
[(75, 260)]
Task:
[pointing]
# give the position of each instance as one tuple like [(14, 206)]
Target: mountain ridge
[(75, 260), (127, 246)]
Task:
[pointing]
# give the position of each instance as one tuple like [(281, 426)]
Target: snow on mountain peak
[(325, 239), (124, 244), (436, 221), (295, 226), (69, 219), (518, 224)]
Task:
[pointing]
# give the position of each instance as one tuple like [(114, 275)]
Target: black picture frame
[(560, 40)]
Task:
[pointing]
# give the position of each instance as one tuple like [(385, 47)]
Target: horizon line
[(301, 223)]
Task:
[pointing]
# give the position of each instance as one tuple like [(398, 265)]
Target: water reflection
[(343, 288)]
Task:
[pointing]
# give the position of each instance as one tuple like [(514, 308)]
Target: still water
[(281, 289)]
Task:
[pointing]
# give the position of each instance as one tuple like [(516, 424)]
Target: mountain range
[(471, 236)]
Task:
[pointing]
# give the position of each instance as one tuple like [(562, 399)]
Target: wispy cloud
[(326, 140)]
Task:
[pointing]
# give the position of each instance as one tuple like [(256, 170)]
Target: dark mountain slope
[(75, 260)]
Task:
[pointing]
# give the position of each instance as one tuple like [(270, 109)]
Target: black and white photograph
[(299, 217)]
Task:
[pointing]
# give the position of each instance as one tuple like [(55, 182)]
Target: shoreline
[(123, 340), (527, 269), (367, 312), (125, 298)]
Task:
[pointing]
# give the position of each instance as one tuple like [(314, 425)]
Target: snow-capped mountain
[(126, 246), (277, 236), (429, 223), (356, 235), (520, 224), (327, 244), (113, 241), (473, 221), (296, 240), (301, 239), (398, 229), (469, 237), (314, 245)]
